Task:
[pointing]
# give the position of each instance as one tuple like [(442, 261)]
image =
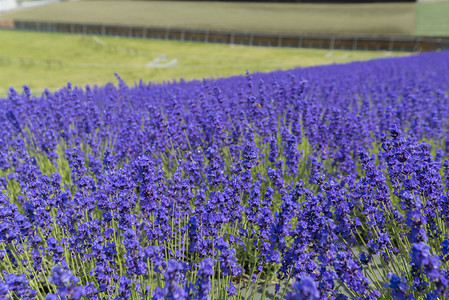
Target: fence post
[(300, 42), (251, 39), (417, 44), (231, 41), (390, 44), (279, 40), (182, 34), (354, 44), (166, 33), (332, 43), (144, 33), (206, 37)]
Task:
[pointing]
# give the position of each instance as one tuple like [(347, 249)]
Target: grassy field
[(377, 18), (46, 60), (432, 19)]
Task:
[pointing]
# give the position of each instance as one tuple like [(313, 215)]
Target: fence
[(353, 42)]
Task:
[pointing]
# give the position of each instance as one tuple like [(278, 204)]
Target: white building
[(6, 5)]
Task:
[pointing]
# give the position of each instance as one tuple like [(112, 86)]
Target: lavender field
[(325, 182)]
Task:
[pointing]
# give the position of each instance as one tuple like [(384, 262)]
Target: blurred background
[(47, 43)]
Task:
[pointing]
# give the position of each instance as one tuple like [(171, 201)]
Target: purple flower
[(399, 288), (230, 288), (18, 286), (66, 283), (203, 284), (305, 289)]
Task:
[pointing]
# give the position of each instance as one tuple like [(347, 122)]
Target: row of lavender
[(218, 188)]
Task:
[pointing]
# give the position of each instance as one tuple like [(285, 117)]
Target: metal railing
[(348, 42)]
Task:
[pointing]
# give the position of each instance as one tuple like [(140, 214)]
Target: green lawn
[(377, 18), (49, 60), (432, 19)]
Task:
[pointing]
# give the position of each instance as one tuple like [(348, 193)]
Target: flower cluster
[(326, 182)]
